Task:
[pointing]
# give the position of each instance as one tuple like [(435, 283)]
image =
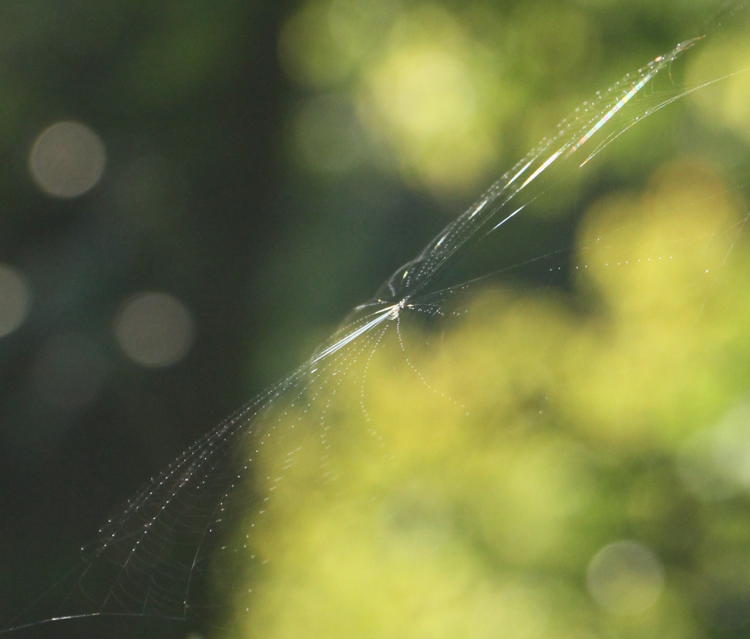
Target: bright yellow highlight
[(424, 80), (324, 41), (726, 106)]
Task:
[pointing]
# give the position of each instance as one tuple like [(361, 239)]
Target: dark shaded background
[(195, 90), (202, 198)]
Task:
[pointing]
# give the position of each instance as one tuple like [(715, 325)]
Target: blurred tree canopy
[(597, 486), (566, 459)]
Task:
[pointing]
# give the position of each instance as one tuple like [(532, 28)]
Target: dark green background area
[(266, 255)]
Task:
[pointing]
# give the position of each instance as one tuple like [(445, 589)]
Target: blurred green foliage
[(437, 87), (557, 463), (268, 162), (571, 499)]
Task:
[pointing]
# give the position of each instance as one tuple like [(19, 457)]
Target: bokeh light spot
[(67, 159), (309, 55), (326, 136), (15, 298), (727, 104), (714, 463), (324, 41), (625, 578), (422, 96), (154, 329)]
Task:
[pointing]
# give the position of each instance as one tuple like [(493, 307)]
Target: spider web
[(193, 526)]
